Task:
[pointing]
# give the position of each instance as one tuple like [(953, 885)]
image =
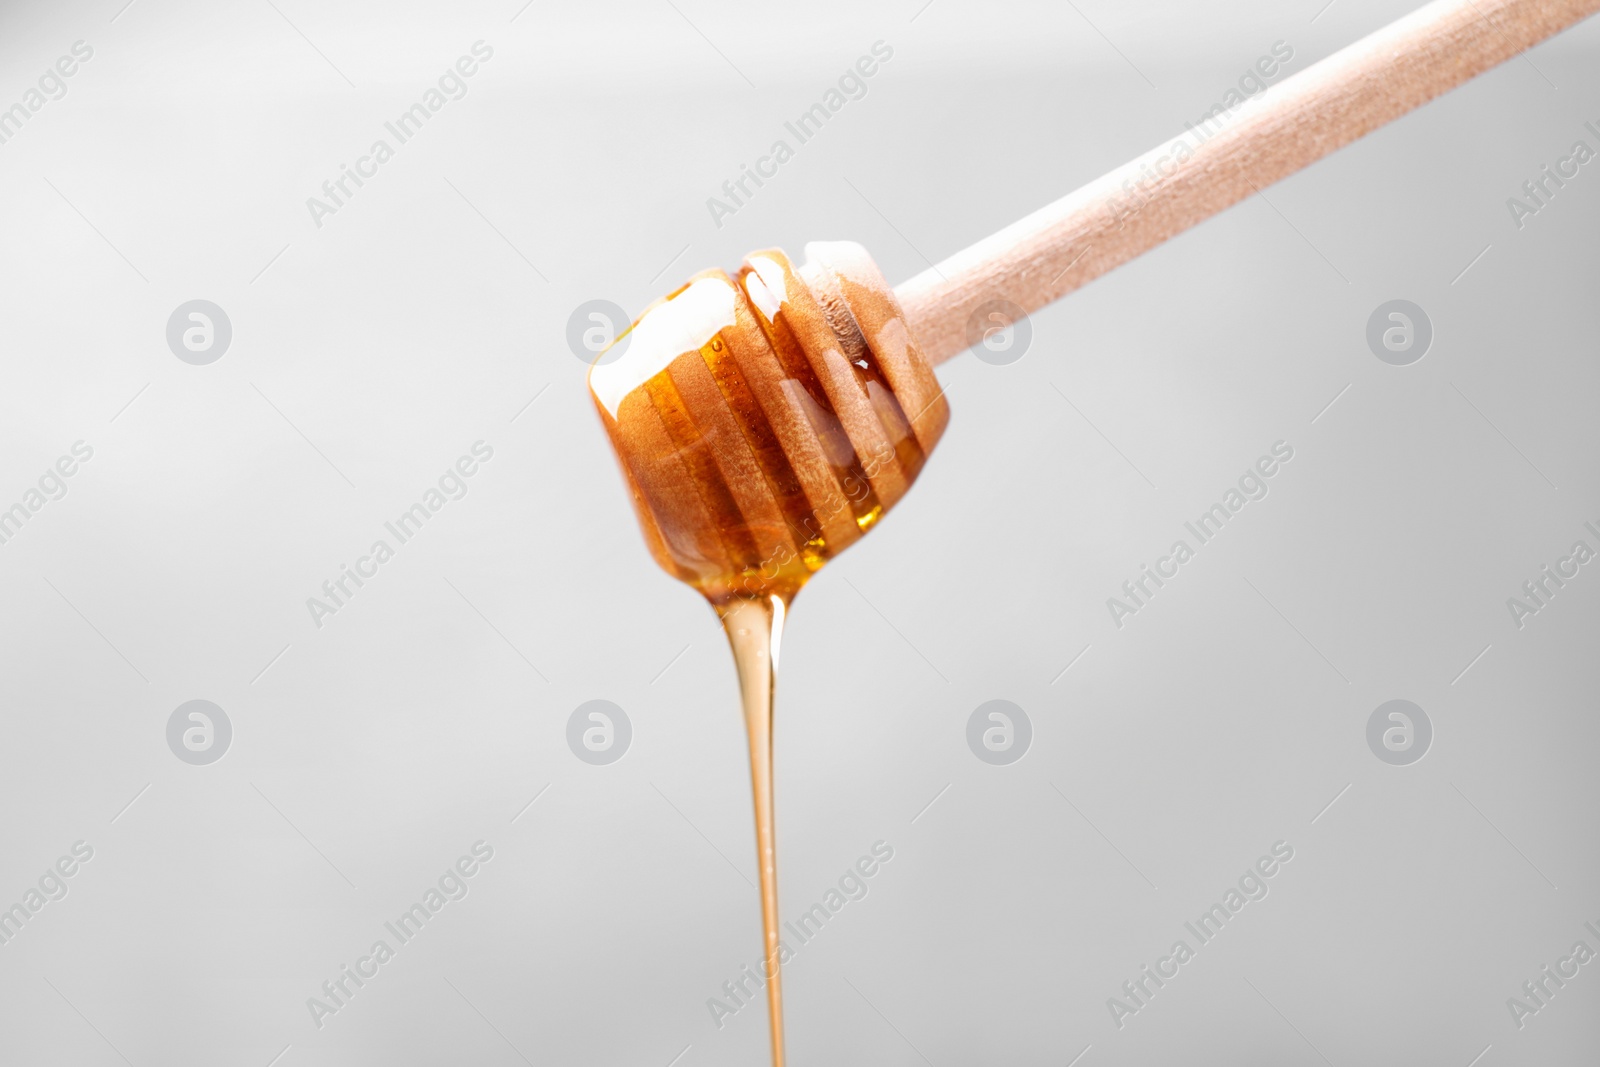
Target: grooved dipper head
[(764, 422)]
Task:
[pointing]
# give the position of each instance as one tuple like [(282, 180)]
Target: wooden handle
[(1220, 162)]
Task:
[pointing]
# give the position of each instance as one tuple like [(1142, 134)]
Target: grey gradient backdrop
[(368, 354)]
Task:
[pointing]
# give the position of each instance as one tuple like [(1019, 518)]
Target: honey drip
[(764, 423), (754, 627)]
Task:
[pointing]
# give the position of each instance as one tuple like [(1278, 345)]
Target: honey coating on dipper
[(764, 422)]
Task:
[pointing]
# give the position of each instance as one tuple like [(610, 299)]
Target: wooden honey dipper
[(766, 421)]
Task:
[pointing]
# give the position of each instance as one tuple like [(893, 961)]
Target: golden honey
[(765, 422)]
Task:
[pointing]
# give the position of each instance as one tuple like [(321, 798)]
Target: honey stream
[(754, 627)]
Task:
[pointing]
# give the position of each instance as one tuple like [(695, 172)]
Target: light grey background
[(369, 354)]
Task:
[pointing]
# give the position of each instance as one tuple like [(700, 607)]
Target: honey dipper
[(767, 420)]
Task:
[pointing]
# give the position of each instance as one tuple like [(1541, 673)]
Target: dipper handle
[(1223, 160)]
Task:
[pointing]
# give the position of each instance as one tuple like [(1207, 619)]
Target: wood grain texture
[(1274, 134)]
